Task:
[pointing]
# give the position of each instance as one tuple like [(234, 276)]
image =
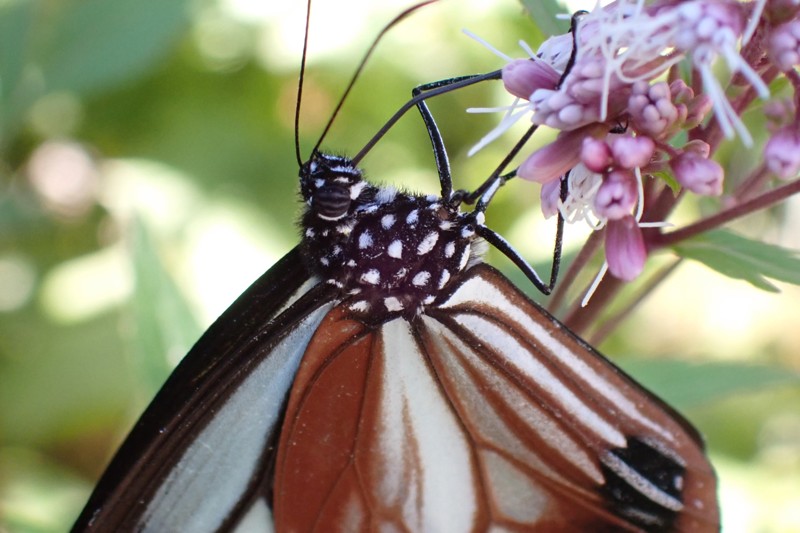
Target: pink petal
[(555, 159), (625, 249)]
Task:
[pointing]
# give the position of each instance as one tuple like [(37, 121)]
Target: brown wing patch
[(482, 413)]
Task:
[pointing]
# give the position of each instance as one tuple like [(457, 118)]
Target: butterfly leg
[(486, 191), (439, 150)]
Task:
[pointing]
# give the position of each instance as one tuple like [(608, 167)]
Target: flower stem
[(759, 202), (611, 323), (588, 250)]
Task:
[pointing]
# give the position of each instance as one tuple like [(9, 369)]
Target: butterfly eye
[(331, 201)]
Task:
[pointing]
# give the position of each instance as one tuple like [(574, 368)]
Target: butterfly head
[(389, 252), (332, 186)]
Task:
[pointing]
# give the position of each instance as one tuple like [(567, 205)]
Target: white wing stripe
[(205, 485), (478, 289), (257, 519), (493, 428), (416, 415), (491, 335), (641, 483)]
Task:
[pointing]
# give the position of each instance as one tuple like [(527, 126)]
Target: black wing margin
[(273, 309)]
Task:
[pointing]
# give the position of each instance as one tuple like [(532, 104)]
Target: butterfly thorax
[(388, 252)]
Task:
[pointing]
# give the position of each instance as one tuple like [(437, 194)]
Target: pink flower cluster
[(625, 78)]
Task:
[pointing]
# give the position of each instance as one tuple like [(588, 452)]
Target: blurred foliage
[(742, 258), (148, 175)]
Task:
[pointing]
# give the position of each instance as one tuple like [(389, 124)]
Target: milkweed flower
[(697, 173), (784, 45), (623, 111), (782, 152), (625, 248), (616, 196)]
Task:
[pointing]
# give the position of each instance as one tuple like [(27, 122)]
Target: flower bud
[(782, 10), (631, 152), (595, 154), (651, 108), (697, 109), (616, 196), (782, 153), (698, 174), (550, 196), (701, 148), (625, 249), (554, 160), (522, 77), (783, 45)]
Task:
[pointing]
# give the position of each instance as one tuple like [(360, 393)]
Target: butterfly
[(382, 377)]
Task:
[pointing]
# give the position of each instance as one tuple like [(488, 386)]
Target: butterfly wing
[(484, 412), (192, 461)]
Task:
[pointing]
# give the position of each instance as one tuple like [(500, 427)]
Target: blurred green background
[(147, 176)]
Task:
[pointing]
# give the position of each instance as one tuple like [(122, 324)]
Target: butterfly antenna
[(300, 88), (361, 66)]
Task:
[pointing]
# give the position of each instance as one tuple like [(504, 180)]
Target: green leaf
[(165, 325), (16, 20), (687, 385), (95, 44), (741, 258), (544, 12), (669, 180)]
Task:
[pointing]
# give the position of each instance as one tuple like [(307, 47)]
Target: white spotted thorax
[(390, 253)]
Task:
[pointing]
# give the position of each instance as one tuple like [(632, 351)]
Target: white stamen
[(488, 46)]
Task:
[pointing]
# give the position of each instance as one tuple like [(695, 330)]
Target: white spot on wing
[(356, 189), (360, 306), (421, 279), (365, 240), (464, 258), (427, 243), (386, 195), (445, 278), (387, 221), (514, 492), (372, 276), (392, 304), (449, 249), (395, 249), (412, 217)]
